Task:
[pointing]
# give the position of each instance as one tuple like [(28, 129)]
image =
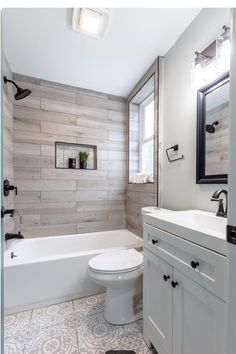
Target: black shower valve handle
[(7, 187), (12, 188)]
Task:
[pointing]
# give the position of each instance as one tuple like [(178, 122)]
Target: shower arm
[(7, 80)]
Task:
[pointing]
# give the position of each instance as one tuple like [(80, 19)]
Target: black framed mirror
[(213, 132)]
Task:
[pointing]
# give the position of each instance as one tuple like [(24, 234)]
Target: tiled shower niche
[(65, 151)]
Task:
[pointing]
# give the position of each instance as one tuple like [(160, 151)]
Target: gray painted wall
[(180, 108)]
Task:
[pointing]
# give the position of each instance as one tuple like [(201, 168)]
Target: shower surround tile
[(70, 115)]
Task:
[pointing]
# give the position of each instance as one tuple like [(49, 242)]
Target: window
[(141, 134), (146, 149)]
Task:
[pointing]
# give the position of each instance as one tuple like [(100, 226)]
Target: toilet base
[(123, 305)]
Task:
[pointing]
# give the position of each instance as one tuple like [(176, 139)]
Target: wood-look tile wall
[(8, 172), (141, 195), (54, 201)]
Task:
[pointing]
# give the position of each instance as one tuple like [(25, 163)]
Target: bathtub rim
[(137, 243)]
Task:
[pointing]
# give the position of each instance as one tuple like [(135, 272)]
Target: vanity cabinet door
[(157, 306), (198, 319)]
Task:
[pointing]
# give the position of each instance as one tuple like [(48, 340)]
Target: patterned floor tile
[(96, 336), (74, 327), (14, 346), (15, 332), (60, 339), (91, 305), (134, 328), (16, 322), (140, 347), (134, 332), (53, 315)]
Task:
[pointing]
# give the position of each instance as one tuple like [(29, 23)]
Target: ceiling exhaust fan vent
[(90, 21)]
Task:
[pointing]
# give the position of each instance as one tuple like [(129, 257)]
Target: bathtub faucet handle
[(13, 255)]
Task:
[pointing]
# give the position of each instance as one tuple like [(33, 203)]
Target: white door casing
[(231, 318)]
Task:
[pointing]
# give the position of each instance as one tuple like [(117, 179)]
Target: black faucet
[(216, 198), (9, 236)]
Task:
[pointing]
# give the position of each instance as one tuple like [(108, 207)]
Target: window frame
[(143, 140)]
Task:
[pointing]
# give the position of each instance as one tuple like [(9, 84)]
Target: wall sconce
[(199, 68), (223, 50), (213, 61)]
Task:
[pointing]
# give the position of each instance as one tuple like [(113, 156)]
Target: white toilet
[(121, 273)]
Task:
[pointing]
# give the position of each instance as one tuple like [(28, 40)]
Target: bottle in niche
[(72, 163)]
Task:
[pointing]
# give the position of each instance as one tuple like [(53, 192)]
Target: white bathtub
[(53, 269)]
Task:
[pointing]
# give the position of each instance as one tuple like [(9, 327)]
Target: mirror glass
[(141, 134), (216, 131), (213, 132)]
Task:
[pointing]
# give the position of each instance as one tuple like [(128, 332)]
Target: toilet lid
[(120, 261)]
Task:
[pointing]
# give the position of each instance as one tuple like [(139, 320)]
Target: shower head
[(210, 128), (21, 93)]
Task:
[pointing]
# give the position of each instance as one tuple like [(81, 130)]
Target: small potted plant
[(83, 159)]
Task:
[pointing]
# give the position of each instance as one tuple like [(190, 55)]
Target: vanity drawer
[(207, 268)]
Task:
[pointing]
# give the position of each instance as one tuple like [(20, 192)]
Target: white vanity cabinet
[(184, 295), (158, 300)]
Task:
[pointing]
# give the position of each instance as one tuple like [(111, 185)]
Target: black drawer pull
[(174, 284), (154, 242), (166, 277), (194, 265)]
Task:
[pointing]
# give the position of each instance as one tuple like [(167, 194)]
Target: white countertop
[(201, 227)]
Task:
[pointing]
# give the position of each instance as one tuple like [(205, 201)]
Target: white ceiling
[(41, 43)]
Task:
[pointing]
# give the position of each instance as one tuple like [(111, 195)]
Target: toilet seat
[(116, 262)]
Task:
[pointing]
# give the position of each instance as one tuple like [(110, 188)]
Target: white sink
[(200, 221), (201, 227)]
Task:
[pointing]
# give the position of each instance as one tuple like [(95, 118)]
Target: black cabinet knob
[(154, 242), (166, 277), (194, 265), (174, 284)]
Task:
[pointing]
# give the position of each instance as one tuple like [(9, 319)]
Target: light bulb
[(211, 72), (223, 51), (199, 75), (223, 57)]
